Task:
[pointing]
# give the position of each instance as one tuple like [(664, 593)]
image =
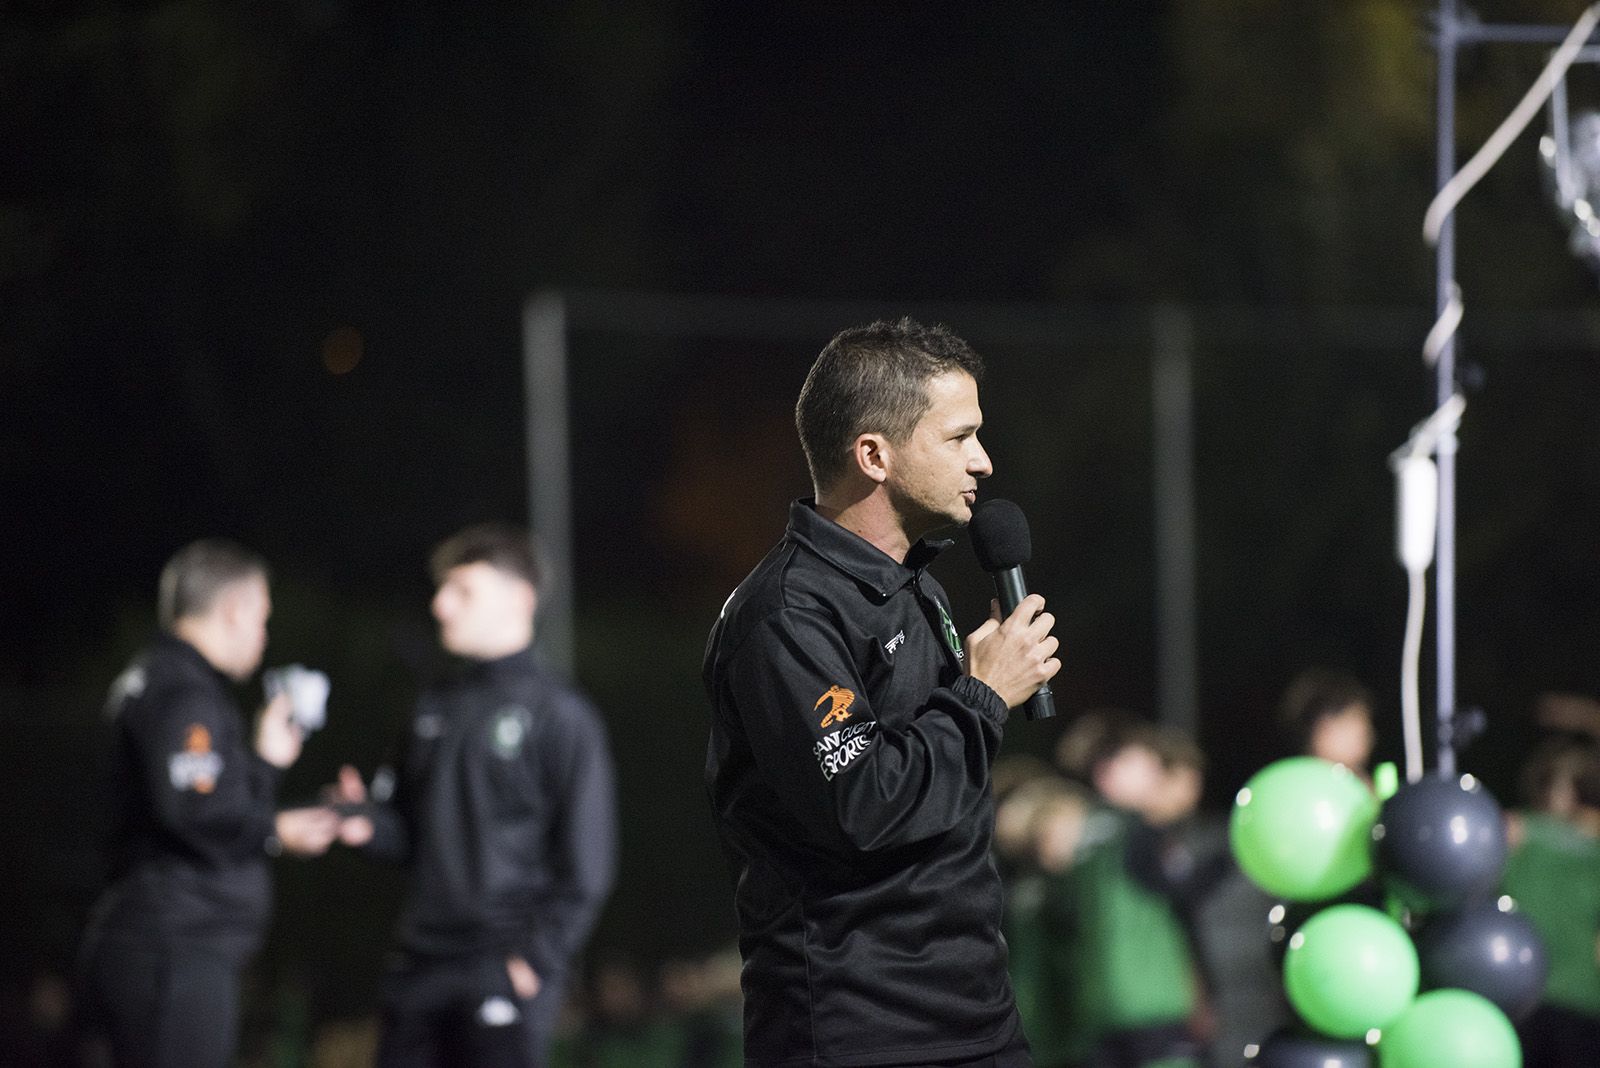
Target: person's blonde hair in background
[(1016, 808), (1056, 826)]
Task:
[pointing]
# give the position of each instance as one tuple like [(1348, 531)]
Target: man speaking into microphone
[(853, 731)]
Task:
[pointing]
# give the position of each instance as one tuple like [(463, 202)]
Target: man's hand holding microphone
[(1016, 655), (1013, 653)]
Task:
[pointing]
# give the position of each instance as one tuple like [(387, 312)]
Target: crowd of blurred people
[(1123, 912), (1134, 941), (1553, 874)]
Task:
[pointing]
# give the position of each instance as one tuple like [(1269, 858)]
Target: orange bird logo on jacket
[(840, 709), (196, 766)]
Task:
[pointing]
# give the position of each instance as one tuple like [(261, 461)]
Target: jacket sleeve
[(392, 811), (841, 770), (584, 849), (210, 792), (391, 830)]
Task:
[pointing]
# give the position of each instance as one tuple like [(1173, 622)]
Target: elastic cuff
[(979, 695)]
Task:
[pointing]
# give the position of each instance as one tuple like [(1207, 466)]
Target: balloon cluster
[(1313, 833)]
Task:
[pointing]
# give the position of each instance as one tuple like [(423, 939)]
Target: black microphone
[(1001, 543)]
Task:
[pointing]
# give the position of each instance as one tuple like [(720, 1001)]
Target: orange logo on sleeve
[(196, 767), (839, 710), (199, 743)]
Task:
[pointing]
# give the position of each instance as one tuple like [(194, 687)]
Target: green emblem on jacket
[(510, 730), (951, 638)]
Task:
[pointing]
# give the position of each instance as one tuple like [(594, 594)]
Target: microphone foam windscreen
[(1000, 535)]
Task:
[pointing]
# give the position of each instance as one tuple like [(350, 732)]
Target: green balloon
[(1302, 829), (1454, 1027), (1350, 969)]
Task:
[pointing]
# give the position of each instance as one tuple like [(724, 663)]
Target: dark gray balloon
[(1296, 1049), (1441, 843), (1488, 950)]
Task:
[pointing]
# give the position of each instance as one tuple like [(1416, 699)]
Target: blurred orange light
[(341, 350)]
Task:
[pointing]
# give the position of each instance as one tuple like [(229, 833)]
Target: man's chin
[(950, 519), (924, 519)]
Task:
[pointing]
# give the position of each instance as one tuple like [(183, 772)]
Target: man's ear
[(871, 455)]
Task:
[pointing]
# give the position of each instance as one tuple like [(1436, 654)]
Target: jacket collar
[(854, 555), (520, 663), (169, 644)]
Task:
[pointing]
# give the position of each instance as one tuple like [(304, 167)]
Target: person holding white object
[(195, 821)]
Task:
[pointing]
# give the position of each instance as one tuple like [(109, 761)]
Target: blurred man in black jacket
[(852, 732), (194, 821), (504, 813)]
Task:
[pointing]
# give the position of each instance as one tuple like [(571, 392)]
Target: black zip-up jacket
[(505, 812), (193, 809), (849, 775)]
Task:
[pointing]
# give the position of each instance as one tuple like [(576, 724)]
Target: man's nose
[(979, 464)]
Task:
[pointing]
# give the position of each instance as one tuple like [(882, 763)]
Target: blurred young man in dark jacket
[(504, 813)]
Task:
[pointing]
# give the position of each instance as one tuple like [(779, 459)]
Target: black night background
[(262, 269)]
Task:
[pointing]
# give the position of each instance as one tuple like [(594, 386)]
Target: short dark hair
[(1586, 780), (873, 379), (500, 545), (1562, 760), (1315, 694), (198, 572)]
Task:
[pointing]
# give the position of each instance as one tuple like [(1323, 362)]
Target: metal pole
[(1444, 575), (544, 361), (1172, 415)]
